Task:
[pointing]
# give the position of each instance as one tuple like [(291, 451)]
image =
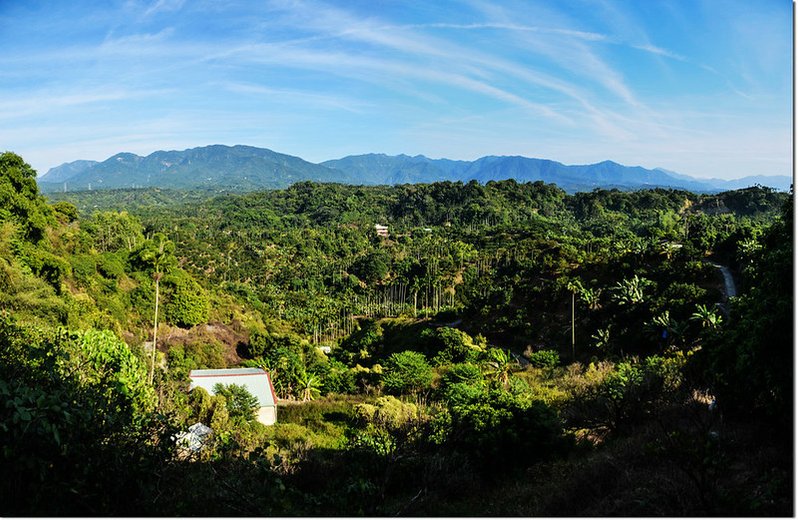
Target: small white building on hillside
[(255, 380), (382, 231)]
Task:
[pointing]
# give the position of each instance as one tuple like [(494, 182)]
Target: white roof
[(255, 380)]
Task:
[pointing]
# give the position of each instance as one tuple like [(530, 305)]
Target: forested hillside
[(508, 349)]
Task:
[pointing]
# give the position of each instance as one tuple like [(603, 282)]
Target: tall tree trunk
[(573, 326), (155, 326)]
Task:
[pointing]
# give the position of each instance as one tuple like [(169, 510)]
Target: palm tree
[(499, 366), (575, 286), (158, 253)]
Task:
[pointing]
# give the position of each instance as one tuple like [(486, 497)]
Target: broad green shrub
[(78, 434), (263, 344), (114, 305), (460, 394), (186, 302), (387, 411), (46, 265), (449, 345), (406, 372), (142, 295), (363, 344), (387, 427), (335, 377), (498, 430), (468, 373), (544, 359), (83, 266), (65, 211), (111, 265)]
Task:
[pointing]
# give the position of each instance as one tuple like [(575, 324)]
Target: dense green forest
[(508, 349)]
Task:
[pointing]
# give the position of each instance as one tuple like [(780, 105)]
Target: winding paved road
[(728, 281), (729, 289)]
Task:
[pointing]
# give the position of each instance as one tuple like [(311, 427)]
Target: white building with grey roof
[(255, 380)]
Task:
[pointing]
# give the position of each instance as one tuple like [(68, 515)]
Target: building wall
[(267, 415)]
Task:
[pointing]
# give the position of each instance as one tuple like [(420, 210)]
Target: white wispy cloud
[(660, 51), (463, 64), (584, 35), (46, 101), (305, 98), (160, 6), (136, 41)]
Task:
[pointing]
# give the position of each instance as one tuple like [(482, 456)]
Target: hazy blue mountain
[(66, 171), (399, 169), (246, 168), (239, 168), (383, 169), (780, 182)]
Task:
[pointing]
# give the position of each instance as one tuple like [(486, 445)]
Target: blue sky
[(701, 87)]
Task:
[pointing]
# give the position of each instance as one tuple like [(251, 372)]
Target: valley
[(507, 348)]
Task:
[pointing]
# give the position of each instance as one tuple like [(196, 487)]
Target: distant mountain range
[(247, 168)]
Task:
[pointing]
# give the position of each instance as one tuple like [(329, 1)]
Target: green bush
[(544, 359), (83, 266), (65, 211), (336, 378), (186, 303), (111, 265), (46, 265), (361, 345), (499, 430), (406, 372), (468, 373), (263, 344), (449, 345), (202, 354)]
